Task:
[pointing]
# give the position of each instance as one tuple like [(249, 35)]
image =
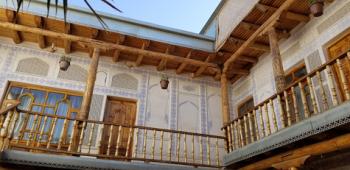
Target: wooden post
[(87, 97), (225, 100), (276, 60), (90, 84)]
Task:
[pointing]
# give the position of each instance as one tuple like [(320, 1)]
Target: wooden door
[(118, 112), (339, 48)]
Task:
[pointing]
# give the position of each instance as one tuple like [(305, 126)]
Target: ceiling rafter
[(255, 46), (116, 53), (286, 15), (38, 21), (10, 17), (254, 27), (200, 70), (67, 44), (270, 22), (89, 42), (145, 45), (183, 65)]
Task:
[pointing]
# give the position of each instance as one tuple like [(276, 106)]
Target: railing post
[(225, 100)]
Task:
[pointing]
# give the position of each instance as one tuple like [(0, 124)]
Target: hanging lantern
[(316, 7), (64, 63), (164, 82)]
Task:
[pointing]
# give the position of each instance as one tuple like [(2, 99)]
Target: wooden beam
[(116, 53), (200, 70), (249, 59), (255, 46), (183, 65), (88, 42), (338, 143), (254, 27), (225, 100), (67, 44), (240, 71), (41, 39), (139, 59), (261, 30), (10, 17), (90, 84), (287, 14), (162, 64), (94, 35), (277, 65)]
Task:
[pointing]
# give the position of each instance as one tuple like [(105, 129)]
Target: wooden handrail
[(312, 73), (124, 126), (8, 108)]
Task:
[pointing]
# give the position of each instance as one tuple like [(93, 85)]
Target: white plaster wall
[(316, 35)]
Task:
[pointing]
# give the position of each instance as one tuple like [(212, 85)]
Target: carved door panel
[(340, 47), (119, 113)]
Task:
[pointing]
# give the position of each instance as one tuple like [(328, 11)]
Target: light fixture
[(64, 62), (164, 82)]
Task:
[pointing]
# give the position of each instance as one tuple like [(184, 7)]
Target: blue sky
[(188, 15)]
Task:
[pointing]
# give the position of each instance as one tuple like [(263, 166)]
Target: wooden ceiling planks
[(298, 12)]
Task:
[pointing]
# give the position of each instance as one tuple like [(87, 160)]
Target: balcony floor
[(72, 162), (299, 132)]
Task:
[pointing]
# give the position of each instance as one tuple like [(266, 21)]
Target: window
[(43, 100), (246, 106), (295, 73)]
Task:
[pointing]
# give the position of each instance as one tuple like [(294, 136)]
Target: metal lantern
[(164, 82), (64, 63)]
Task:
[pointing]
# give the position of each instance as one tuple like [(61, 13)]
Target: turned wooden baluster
[(111, 128), (304, 101), (60, 141), (144, 143), (295, 104), (289, 115), (128, 144), (246, 129), (169, 146), (178, 147), (119, 136), (229, 138), (201, 149), (208, 150), (71, 138), (154, 143), (251, 127), (343, 79), (274, 120), (4, 131), (217, 152), (257, 134), (237, 135), (240, 129), (161, 144), (82, 134), (233, 147), (332, 86), (193, 151), (100, 142), (136, 142), (268, 126), (91, 136), (51, 133), (185, 147), (279, 100), (42, 131), (323, 92), (312, 95), (23, 128), (262, 122), (13, 124)]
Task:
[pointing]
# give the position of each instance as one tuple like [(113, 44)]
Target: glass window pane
[(14, 93), (39, 96), (300, 72), (37, 109), (75, 101), (49, 111), (53, 98), (62, 109)]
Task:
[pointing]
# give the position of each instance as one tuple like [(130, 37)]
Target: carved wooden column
[(225, 100), (276, 60), (90, 84)]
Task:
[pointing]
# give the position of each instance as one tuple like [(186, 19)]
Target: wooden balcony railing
[(298, 101), (43, 133)]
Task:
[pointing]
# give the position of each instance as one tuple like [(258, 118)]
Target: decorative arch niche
[(125, 81), (34, 66)]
